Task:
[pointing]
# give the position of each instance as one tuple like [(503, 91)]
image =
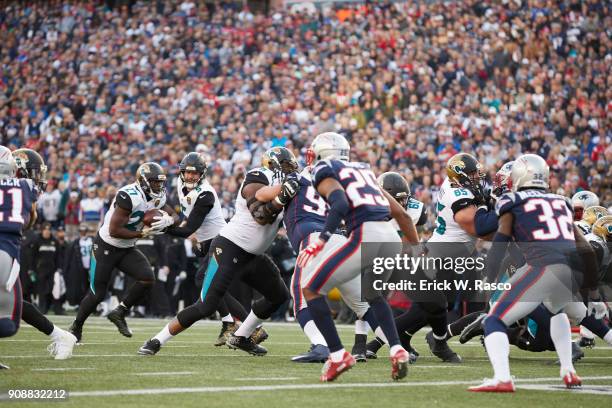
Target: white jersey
[(242, 229), (583, 226), (131, 193), (450, 200), (416, 210), (214, 221)]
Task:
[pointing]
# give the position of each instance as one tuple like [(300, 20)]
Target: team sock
[(249, 325), (227, 318), (561, 335), (321, 315), (385, 319), (164, 335), (498, 349), (313, 334)]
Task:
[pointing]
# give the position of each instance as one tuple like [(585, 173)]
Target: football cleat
[(586, 342), (62, 346), (118, 319), (440, 349), (76, 330), (332, 370), (359, 352), (318, 353), (372, 348), (577, 353), (245, 344), (399, 364), (571, 380), (150, 348), (492, 385), (227, 328), (4, 367), (259, 335), (472, 330)]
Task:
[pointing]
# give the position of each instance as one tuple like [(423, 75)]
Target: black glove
[(289, 189)]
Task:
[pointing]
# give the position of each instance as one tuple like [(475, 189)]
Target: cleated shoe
[(440, 349), (472, 330), (359, 353), (332, 370), (227, 328), (372, 348), (77, 331), (150, 348), (571, 380), (117, 317), (585, 342), (492, 385), (318, 353), (399, 364), (245, 344), (259, 335)]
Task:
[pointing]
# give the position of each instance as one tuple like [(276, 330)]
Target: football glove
[(598, 309), (162, 222), (310, 252), (289, 189), (150, 232)]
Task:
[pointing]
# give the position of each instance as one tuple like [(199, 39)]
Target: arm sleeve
[(461, 204), (338, 207), (122, 200), (255, 177), (485, 221), (423, 218), (201, 208), (322, 171)]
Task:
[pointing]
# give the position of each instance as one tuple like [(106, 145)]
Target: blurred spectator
[(76, 265), (49, 204), (46, 253), (71, 217), (91, 209)]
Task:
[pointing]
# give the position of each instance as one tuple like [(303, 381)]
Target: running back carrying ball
[(149, 217)]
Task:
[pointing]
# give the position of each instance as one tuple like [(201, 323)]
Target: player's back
[(16, 199), (306, 212), (366, 199), (542, 225)]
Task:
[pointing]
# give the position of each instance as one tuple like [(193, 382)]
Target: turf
[(219, 377)]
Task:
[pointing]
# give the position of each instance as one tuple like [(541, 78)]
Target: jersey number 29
[(364, 189)]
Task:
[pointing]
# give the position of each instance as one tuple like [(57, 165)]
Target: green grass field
[(189, 371)]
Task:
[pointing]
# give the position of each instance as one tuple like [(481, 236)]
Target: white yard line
[(268, 379), (167, 373), (63, 369), (287, 387), (590, 389)]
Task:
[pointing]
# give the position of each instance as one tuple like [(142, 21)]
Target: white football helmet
[(8, 166), (529, 171), (583, 200), (327, 145)]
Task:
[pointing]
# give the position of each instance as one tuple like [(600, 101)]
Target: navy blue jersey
[(305, 213), (362, 190), (16, 198), (542, 225)]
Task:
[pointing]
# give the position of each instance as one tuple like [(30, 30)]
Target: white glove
[(598, 309), (162, 222), (149, 232)]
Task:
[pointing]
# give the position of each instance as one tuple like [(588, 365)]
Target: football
[(149, 217)]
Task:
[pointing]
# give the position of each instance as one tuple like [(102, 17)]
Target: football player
[(114, 245), (353, 195), (305, 218), (238, 251), (394, 184), (31, 166), (18, 211), (580, 202), (535, 219), (204, 219)]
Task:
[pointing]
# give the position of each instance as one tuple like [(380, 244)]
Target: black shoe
[(117, 317), (4, 367), (359, 352), (586, 342), (372, 348), (150, 348), (317, 354), (259, 335), (472, 330), (227, 328), (245, 344), (76, 330), (577, 353), (440, 349)]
